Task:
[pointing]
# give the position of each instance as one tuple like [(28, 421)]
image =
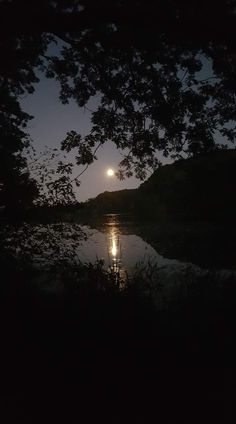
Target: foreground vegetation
[(87, 350), (75, 345)]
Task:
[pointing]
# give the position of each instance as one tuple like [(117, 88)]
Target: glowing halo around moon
[(110, 172)]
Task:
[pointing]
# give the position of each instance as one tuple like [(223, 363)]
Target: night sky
[(51, 122), (48, 128)]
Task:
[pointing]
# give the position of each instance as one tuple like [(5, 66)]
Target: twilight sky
[(48, 128), (52, 120)]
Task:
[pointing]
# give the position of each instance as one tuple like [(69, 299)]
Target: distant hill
[(202, 187), (113, 202)]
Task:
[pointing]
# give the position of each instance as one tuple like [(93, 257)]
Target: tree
[(143, 62), (20, 56), (17, 188), (54, 177)]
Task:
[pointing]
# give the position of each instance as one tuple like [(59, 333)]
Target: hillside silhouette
[(198, 188)]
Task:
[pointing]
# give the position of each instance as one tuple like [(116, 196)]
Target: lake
[(115, 236), (204, 244), (173, 253)]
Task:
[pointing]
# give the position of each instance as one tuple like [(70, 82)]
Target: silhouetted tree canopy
[(145, 61), (17, 188)]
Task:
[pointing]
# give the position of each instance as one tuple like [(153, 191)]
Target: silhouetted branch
[(198, 27), (86, 167), (77, 176)]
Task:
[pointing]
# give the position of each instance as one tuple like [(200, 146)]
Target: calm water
[(115, 236), (170, 257), (173, 253), (169, 250)]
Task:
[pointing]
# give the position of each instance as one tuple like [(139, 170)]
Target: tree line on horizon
[(196, 189)]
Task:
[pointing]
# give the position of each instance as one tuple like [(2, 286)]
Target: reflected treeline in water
[(206, 244)]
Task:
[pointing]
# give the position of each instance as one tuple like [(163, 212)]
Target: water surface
[(116, 236)]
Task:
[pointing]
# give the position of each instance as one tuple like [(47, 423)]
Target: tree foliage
[(17, 188), (162, 72), (52, 174), (20, 56)]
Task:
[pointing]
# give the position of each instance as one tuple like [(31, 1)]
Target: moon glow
[(110, 172)]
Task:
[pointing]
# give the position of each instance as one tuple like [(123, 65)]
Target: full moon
[(110, 172)]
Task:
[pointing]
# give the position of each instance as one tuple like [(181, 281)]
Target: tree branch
[(86, 167), (139, 26)]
